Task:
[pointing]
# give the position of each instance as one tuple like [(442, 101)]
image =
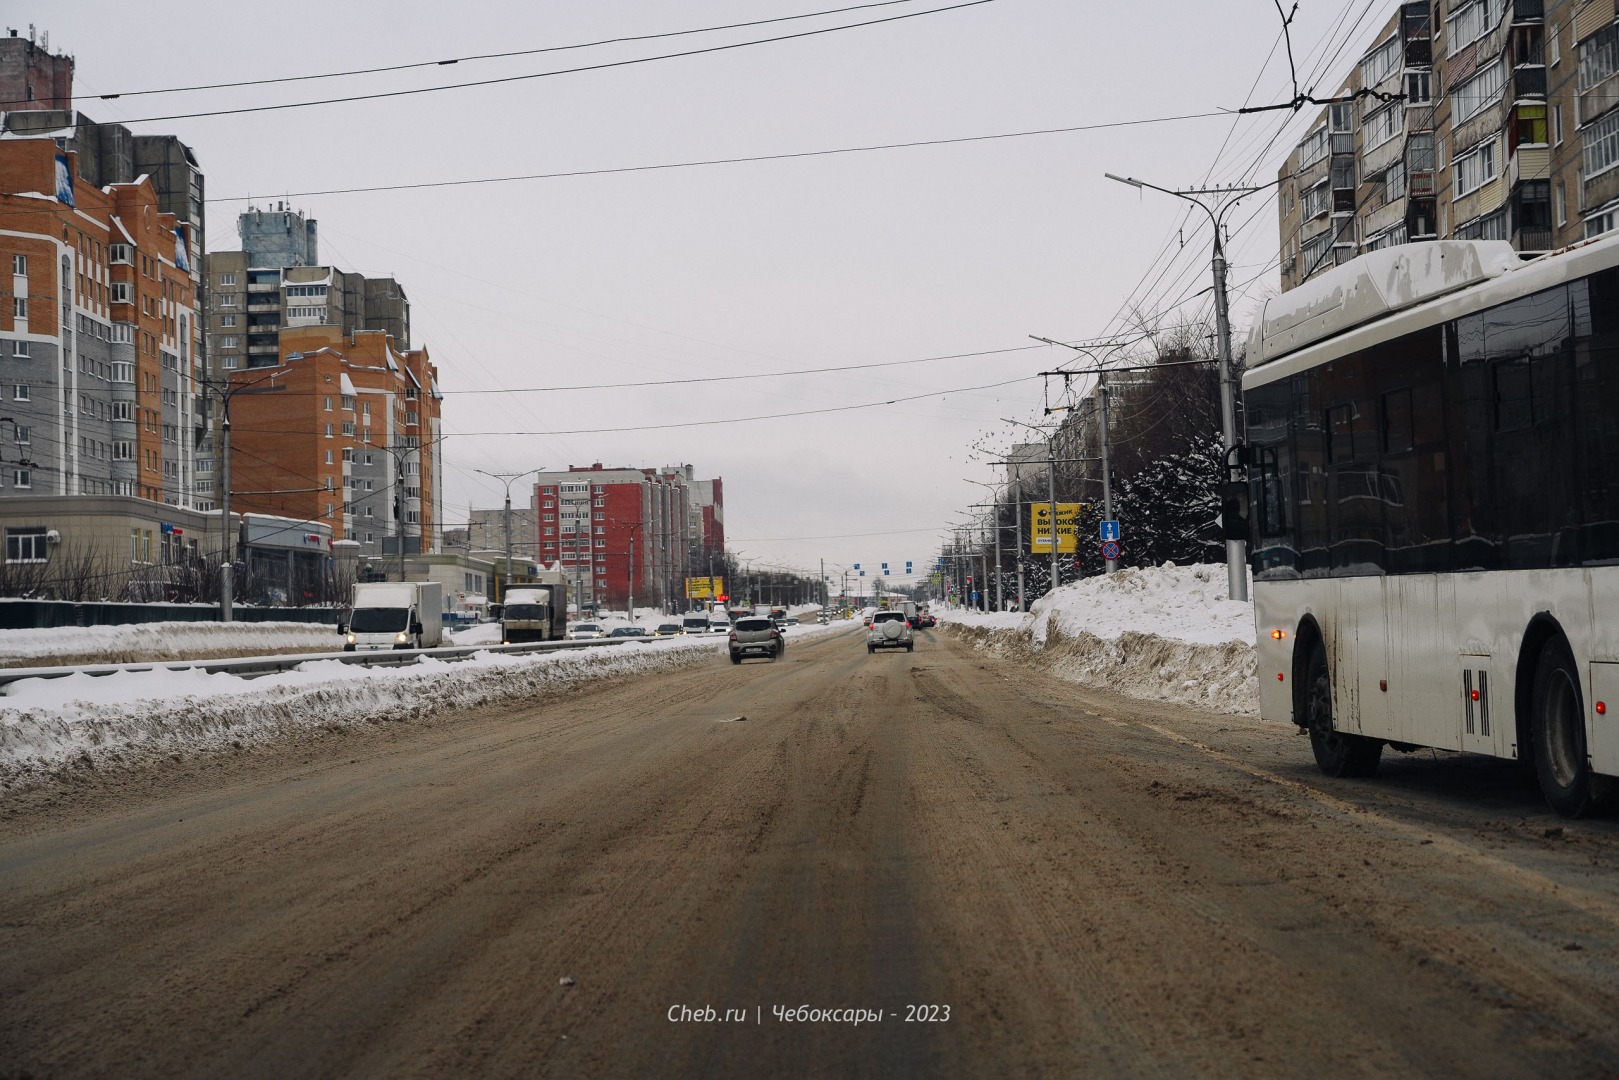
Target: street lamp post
[(1236, 553), (506, 479)]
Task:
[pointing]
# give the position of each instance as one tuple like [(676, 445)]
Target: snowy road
[(1069, 883)]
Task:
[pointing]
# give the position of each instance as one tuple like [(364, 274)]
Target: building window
[(549, 531), (1600, 223), (22, 478), (1313, 148), (19, 348), (19, 433), (1602, 145), (227, 320), (1472, 96), (1557, 124), (120, 292), (1418, 88), (328, 407), (19, 264), (123, 450), (601, 543), (1560, 203), (19, 307), (1599, 56), (227, 300), (25, 545), (328, 431), (329, 457), (20, 392), (1381, 62), (227, 279), (1475, 168)]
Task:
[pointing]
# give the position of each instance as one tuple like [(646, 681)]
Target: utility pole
[(1000, 584), (1018, 514), (1235, 550), (227, 566), (631, 602), (1107, 482)]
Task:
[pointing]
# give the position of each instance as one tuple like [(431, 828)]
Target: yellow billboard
[(1067, 528), (702, 588)]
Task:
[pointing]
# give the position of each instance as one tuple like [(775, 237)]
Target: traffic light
[(722, 597)]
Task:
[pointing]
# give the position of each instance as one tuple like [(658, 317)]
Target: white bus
[(1433, 485)]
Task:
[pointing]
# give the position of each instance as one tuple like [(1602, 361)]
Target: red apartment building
[(622, 532)]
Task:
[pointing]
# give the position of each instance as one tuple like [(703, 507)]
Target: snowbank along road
[(718, 871)]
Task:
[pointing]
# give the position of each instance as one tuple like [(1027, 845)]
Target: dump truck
[(395, 615), (535, 613)]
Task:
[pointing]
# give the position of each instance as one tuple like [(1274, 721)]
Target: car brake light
[(733, 635)]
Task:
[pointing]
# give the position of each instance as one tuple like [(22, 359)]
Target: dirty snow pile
[(1164, 633), (160, 640), (85, 720)]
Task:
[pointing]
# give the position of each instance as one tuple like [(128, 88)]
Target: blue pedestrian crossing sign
[(1110, 530)]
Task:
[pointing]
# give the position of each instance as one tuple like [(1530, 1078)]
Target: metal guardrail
[(252, 666)]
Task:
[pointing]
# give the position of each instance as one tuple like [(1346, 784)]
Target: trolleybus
[(1433, 508)]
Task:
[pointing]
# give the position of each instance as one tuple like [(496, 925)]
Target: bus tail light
[(1280, 677), (1602, 708), (1278, 635)]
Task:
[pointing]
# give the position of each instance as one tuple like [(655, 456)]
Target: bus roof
[(1369, 287)]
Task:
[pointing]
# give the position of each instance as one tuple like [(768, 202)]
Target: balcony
[(1528, 82), (1533, 238), (1528, 11), (265, 305), (264, 286)]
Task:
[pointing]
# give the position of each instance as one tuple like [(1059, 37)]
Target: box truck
[(535, 613), (395, 615)]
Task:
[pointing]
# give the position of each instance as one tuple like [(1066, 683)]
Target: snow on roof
[(1377, 283), (346, 384), (130, 240)]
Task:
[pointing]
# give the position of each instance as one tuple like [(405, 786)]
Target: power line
[(734, 378), (604, 66), (487, 56), (703, 162), (707, 423)]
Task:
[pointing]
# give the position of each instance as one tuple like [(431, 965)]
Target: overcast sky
[(850, 259)]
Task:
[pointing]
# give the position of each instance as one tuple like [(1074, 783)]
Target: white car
[(586, 630), (719, 626)]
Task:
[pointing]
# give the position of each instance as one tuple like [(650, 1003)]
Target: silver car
[(890, 630)]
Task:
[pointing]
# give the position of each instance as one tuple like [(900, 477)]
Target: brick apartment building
[(599, 523), (334, 418), (1469, 119), (99, 358)]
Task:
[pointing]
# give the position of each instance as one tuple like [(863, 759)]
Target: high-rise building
[(1467, 119), (99, 358), (625, 532), (334, 417)]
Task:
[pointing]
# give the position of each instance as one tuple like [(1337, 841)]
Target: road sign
[(975, 597), (1110, 530), (1040, 527), (1110, 550)]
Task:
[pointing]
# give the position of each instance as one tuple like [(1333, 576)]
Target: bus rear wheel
[(1557, 731), (1337, 753)]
